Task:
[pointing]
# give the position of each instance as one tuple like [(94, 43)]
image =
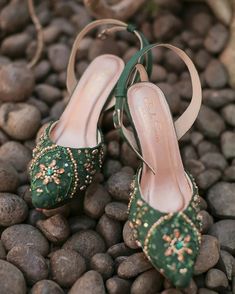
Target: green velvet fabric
[(59, 174), (170, 241)]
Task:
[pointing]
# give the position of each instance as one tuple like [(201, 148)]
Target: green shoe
[(71, 151), (164, 201)]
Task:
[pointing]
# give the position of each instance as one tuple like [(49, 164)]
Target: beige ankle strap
[(117, 26)]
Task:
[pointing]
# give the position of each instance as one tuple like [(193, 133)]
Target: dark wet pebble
[(103, 264), (116, 211), (116, 285), (118, 185), (221, 200), (133, 265), (87, 243), (90, 283), (13, 209), (25, 235), (46, 287), (208, 254), (12, 279), (66, 267), (224, 230), (30, 262), (148, 282), (55, 229), (96, 198), (110, 230)]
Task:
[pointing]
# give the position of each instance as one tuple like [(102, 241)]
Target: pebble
[(116, 285), (113, 149), (148, 282), (55, 229), (166, 26), (208, 254), (201, 59), (172, 96), (128, 156), (224, 231), (216, 75), (103, 264), (90, 283), (159, 73), (17, 154), (86, 242), (111, 167), (83, 222), (15, 45), (118, 185), (216, 279), (48, 93), (207, 178), (20, 121), (110, 230), (66, 267), (119, 249), (227, 144), (9, 179), (229, 173), (218, 98), (207, 221), (107, 46), (201, 22), (13, 209), (2, 251), (227, 264), (216, 39), (214, 160), (133, 265), (206, 147), (228, 113), (195, 167), (58, 55), (96, 198), (220, 199), (30, 262), (209, 122), (46, 287), (173, 62), (42, 106), (12, 280), (128, 236), (41, 70), (116, 211), (16, 83), (14, 16), (24, 235)]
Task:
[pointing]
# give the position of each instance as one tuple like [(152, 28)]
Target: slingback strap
[(117, 26), (184, 122)]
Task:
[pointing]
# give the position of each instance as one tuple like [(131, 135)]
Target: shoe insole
[(168, 190), (77, 126)]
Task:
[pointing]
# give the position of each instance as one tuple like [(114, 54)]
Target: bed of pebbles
[(87, 247)]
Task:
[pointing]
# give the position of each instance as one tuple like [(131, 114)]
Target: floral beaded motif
[(50, 173), (58, 173)]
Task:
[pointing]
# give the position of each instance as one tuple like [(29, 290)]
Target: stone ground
[(87, 247)]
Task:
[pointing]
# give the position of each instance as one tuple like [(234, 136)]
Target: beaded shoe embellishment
[(59, 173), (171, 241)]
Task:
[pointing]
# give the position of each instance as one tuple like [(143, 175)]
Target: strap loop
[(117, 26)]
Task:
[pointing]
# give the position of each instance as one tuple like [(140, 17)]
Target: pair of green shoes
[(164, 201)]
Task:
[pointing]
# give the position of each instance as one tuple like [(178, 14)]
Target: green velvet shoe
[(71, 151), (164, 201)]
